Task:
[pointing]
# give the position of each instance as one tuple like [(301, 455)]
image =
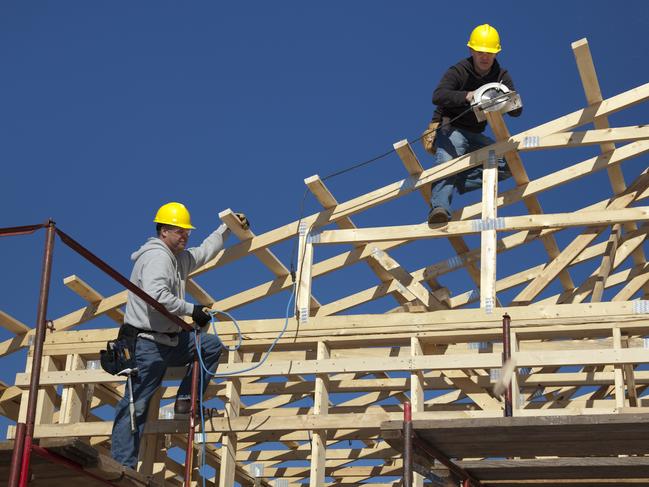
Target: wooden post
[(321, 408), (488, 236), (629, 377), (151, 462), (515, 388), (304, 265), (229, 441), (619, 371), (417, 394), (73, 398)]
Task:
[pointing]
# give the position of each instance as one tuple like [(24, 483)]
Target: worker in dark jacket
[(453, 97)]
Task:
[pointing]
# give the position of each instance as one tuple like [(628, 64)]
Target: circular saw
[(494, 97)]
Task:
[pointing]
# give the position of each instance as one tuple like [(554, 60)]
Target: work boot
[(438, 215), (182, 407)]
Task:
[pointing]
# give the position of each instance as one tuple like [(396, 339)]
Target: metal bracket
[(304, 315), (488, 224), (489, 305), (641, 306), (531, 141), (313, 237), (491, 160)]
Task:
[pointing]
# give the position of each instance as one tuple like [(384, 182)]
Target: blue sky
[(110, 109)]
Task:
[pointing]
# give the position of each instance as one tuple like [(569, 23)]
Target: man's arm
[(206, 251), (448, 93), (157, 275)]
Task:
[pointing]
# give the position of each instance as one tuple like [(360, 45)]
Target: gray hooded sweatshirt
[(162, 275)]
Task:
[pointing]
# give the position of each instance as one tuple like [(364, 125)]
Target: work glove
[(244, 221), (428, 137), (200, 317)]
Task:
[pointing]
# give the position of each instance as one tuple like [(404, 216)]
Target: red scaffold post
[(407, 445), (21, 455), (507, 354)]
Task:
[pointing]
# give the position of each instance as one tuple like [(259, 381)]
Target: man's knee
[(211, 345)]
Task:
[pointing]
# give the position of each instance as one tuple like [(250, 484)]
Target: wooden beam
[(593, 93), (265, 255), (328, 201), (607, 263), (411, 285), (85, 291), (412, 165), (578, 244), (12, 324), (505, 224)]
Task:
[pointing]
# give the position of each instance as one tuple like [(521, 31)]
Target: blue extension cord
[(234, 349)]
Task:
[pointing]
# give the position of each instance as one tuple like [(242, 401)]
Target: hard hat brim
[(484, 49), (173, 224)]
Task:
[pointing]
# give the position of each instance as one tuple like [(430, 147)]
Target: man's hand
[(244, 221), (200, 317), (469, 97)]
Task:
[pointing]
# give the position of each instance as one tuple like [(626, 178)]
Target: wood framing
[(326, 406)]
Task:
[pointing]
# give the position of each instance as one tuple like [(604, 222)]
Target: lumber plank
[(10, 323), (512, 223)]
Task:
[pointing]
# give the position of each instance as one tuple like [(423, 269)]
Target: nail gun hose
[(213, 313), (214, 374)]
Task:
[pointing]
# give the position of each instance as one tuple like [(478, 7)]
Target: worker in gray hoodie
[(161, 267)]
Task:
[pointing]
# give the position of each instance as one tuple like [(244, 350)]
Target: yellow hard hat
[(484, 38), (174, 214)]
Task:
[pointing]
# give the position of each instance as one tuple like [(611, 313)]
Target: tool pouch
[(428, 137), (120, 353)]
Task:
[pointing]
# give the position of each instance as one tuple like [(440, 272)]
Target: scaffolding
[(327, 408)]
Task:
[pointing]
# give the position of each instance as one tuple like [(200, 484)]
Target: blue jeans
[(453, 142), (152, 361)]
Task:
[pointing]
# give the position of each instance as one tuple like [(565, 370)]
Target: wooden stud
[(232, 410), (12, 324), (320, 407), (303, 274), (488, 235), (410, 286)]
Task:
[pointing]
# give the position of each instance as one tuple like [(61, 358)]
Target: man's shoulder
[(464, 64), (154, 254)]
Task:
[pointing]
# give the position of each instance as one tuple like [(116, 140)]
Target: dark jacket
[(450, 94)]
